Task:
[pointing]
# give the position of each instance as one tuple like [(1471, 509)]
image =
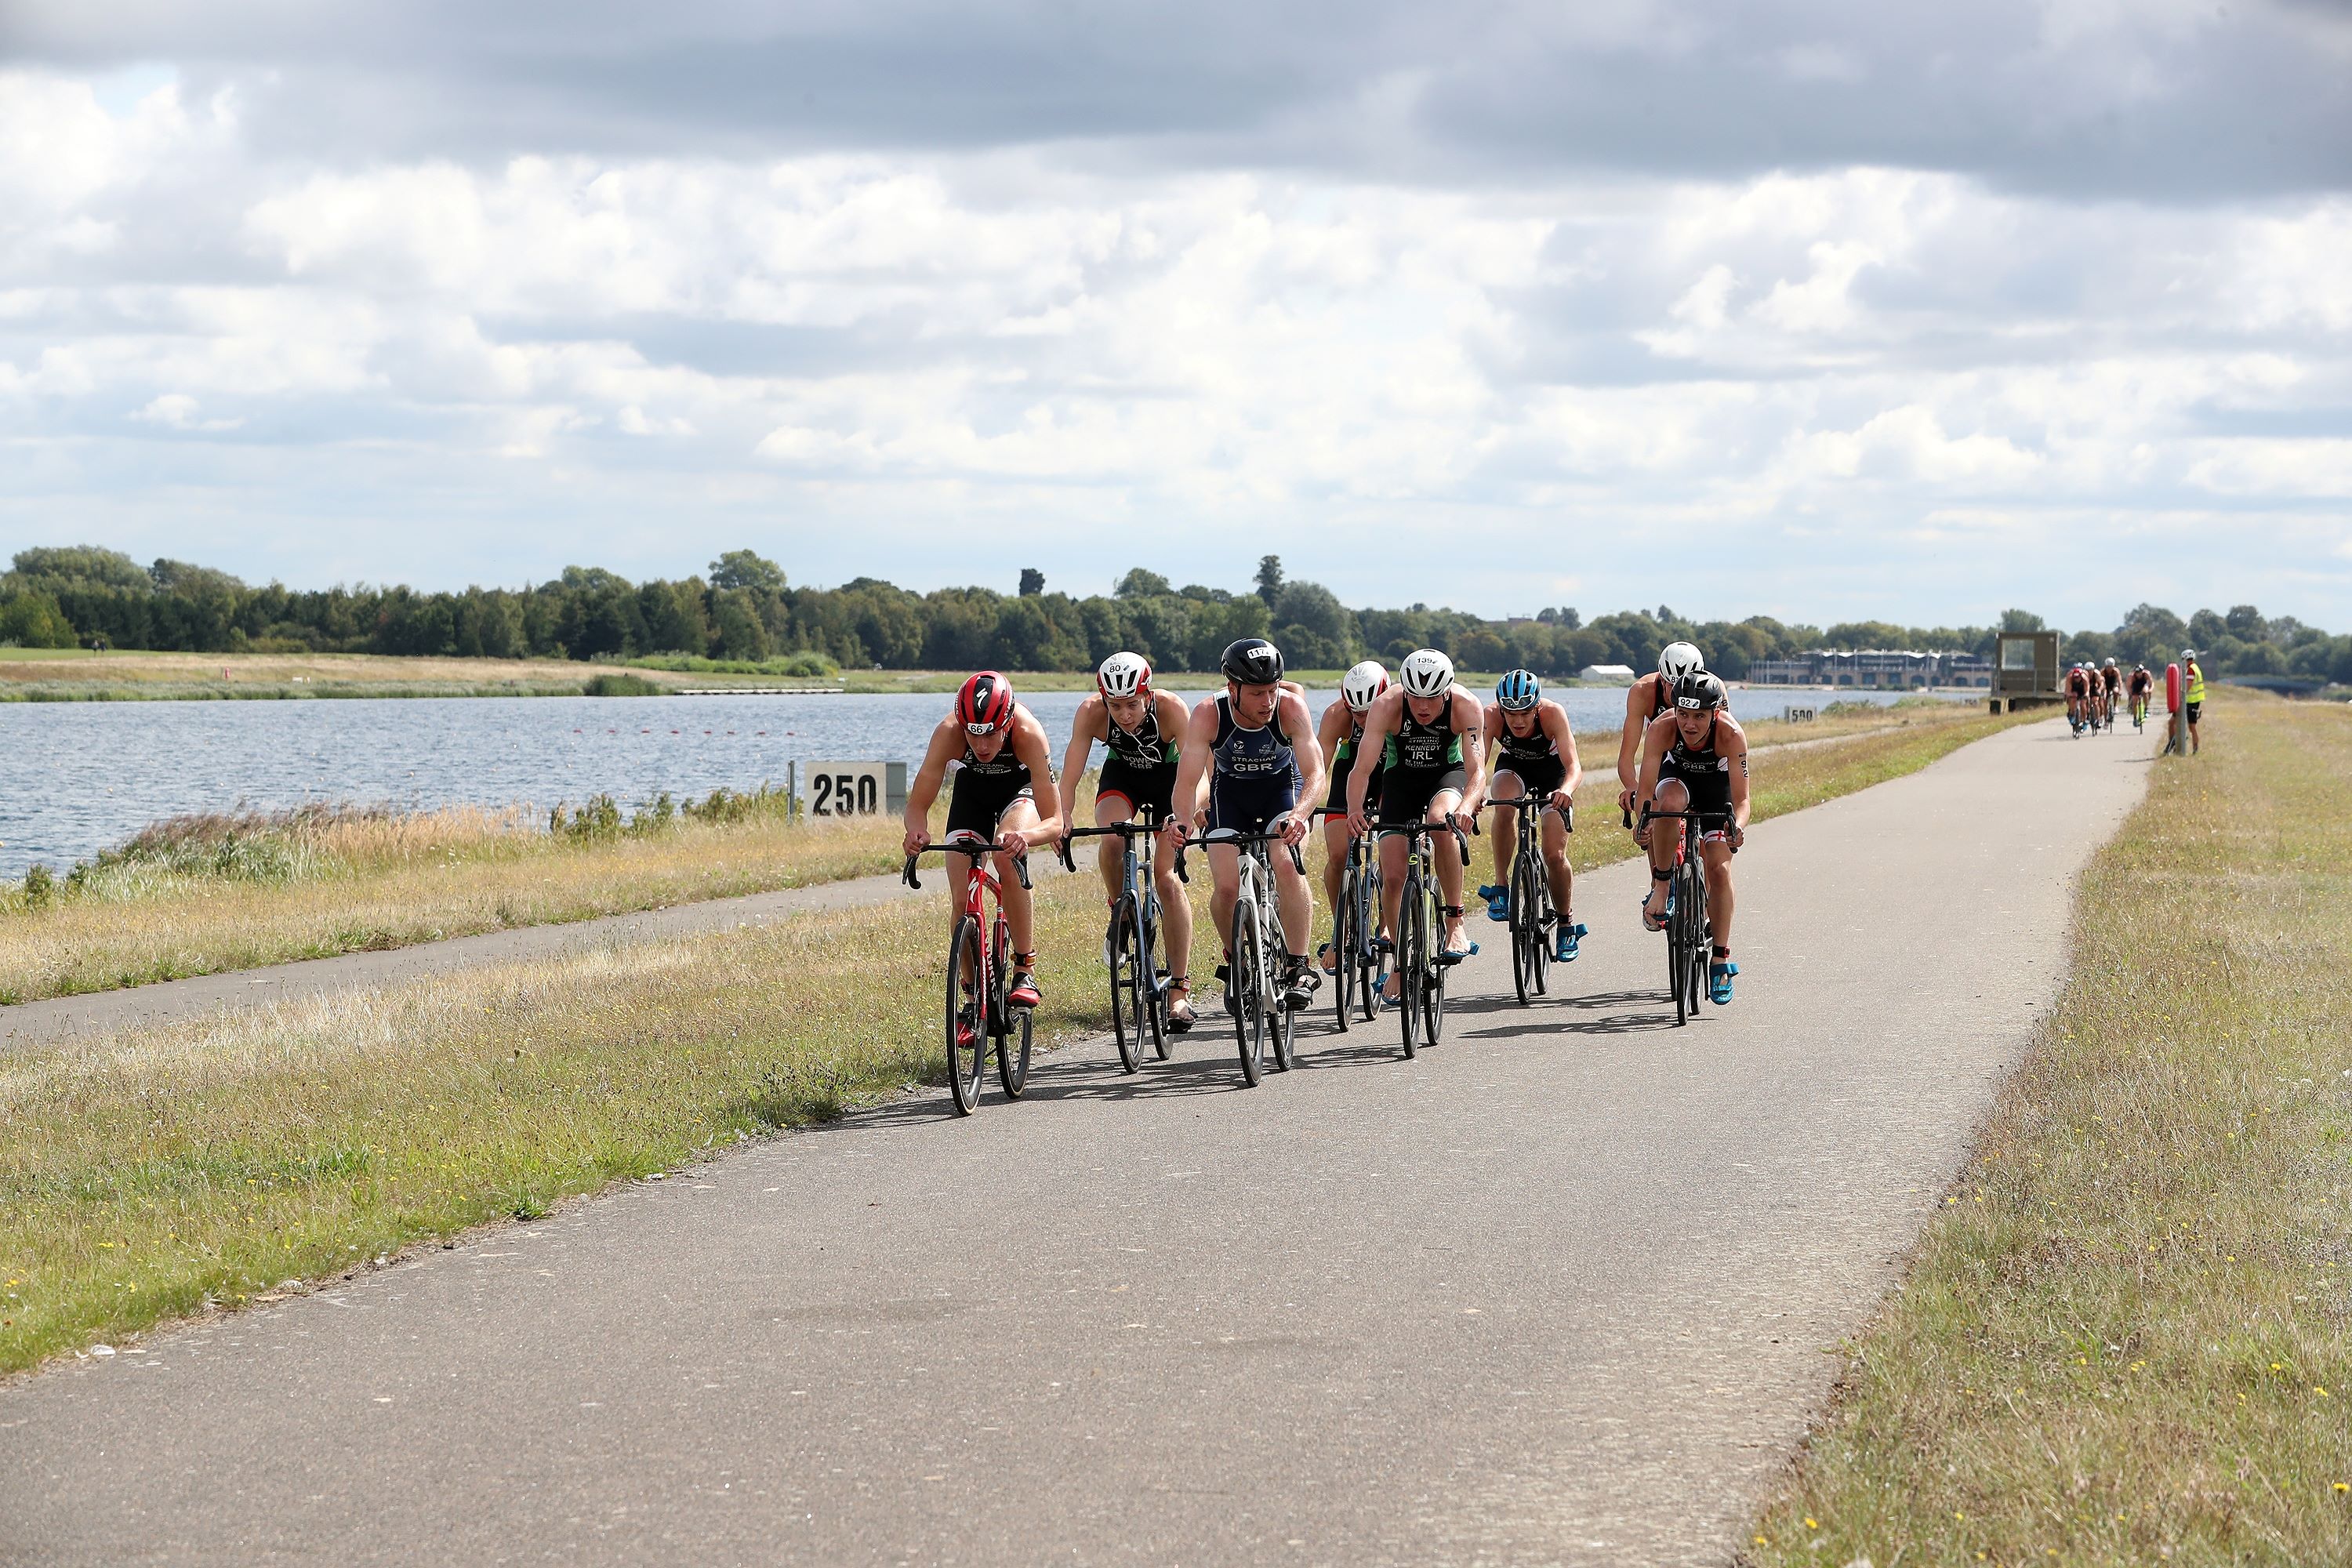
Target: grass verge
[(2125, 1338), (160, 1171)]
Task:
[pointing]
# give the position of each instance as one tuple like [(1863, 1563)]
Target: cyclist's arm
[(1092, 717), (1192, 769), (1736, 753), (1380, 718), (1629, 742), (923, 790), (1555, 722), (1297, 720), (1474, 758), (1330, 729), (1653, 751), (1029, 746)]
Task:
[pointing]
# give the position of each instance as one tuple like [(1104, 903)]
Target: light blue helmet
[(1519, 690)]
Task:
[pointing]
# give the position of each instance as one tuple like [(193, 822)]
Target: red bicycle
[(978, 977)]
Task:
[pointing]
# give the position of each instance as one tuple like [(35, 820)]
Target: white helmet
[(1363, 682), (1427, 673), (2187, 654), (1123, 675), (1678, 659)]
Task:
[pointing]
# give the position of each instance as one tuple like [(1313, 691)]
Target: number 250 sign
[(843, 789)]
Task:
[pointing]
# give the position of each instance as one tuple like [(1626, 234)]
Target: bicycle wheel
[(1545, 917), (1274, 959), (1367, 963), (1011, 1023), (1126, 990), (1343, 953), (1412, 960), (1151, 985), (1678, 944), (1248, 982), (1527, 930), (1432, 988), (967, 1016)]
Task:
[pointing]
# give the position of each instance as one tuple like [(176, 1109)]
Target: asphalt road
[(1559, 1290)]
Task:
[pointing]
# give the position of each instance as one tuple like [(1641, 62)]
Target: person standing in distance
[(2192, 696)]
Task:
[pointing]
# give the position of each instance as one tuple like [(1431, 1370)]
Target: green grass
[(148, 1174), (2124, 1340)]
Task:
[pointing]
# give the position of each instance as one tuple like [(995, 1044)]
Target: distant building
[(1607, 674), (1875, 670)]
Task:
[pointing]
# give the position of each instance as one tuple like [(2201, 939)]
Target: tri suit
[(984, 789), (1253, 774), (1419, 761), (1705, 772), (1142, 767), (1343, 762), (1533, 758)]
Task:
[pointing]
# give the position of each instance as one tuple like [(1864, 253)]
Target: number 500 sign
[(851, 789)]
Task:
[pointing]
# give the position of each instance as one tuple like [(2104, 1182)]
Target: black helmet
[(1699, 689), (1252, 661)]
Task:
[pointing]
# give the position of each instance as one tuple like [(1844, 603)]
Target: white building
[(1607, 674)]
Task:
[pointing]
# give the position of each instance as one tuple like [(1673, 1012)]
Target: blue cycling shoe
[(1564, 940), (1718, 982), (1498, 902)]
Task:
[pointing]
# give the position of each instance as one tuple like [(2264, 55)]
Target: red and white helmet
[(985, 704), (1124, 675)]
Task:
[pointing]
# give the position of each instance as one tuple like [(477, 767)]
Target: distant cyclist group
[(2096, 695), (1404, 768)]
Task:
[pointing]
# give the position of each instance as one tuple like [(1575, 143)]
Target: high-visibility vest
[(2196, 681)]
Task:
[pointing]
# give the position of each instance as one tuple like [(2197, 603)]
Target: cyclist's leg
[(1505, 827), (1112, 806), (1717, 854), (1020, 912), (1556, 868), (1335, 833), (1666, 838), (1448, 860)]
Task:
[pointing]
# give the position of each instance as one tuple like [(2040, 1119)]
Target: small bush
[(619, 685), (40, 888)]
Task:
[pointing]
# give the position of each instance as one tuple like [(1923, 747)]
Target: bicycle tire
[(1546, 917), (1126, 995), (1009, 1020), (1367, 963), (967, 1007), (1692, 903), (1013, 1060), (1678, 944), (1281, 1022), (1248, 991), (1343, 953), (1433, 990), (1527, 930), (1412, 952), (1152, 984)]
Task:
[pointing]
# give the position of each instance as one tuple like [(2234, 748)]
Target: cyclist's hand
[(1360, 822), (918, 839), (1626, 800), (1738, 836), (1175, 829), (1293, 830), (1561, 800)]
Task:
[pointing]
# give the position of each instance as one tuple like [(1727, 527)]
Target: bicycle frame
[(1257, 943), (1138, 996), (978, 1024), (1421, 978), (1355, 920), (1690, 935), (1530, 891)]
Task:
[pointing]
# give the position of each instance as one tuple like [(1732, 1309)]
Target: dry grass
[(2125, 1339)]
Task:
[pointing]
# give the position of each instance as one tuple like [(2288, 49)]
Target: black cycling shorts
[(1406, 793), (1246, 805), (1710, 789), (1148, 791), (1340, 768), (1540, 774), (2195, 709), (980, 798)]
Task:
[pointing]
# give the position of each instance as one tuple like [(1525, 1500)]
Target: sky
[(1809, 309)]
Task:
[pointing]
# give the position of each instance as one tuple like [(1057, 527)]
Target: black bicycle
[(1532, 915), (1255, 994), (1420, 967), (1139, 987), (1690, 934), (1355, 922)]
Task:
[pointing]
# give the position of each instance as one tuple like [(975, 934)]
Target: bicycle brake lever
[(1297, 862), (909, 875), (1062, 849), (1182, 875), (1021, 866)]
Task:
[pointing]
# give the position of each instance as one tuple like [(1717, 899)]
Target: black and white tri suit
[(1253, 774), (1420, 761), (1142, 767), (1535, 758), (1704, 770), (983, 790)]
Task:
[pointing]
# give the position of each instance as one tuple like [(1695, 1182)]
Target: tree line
[(745, 611)]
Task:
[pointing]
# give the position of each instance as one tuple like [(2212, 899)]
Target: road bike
[(1355, 922), (1139, 987), (1420, 967), (1530, 894), (1690, 934), (978, 1022), (1257, 952), (2140, 714)]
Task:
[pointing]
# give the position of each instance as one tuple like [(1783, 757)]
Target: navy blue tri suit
[(1534, 759), (1705, 772), (1253, 774)]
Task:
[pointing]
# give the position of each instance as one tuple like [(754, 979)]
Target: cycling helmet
[(1519, 690), (1699, 690), (985, 704), (1364, 682), (1252, 661), (2187, 654), (2111, 663), (1124, 675), (1678, 659), (1427, 673)]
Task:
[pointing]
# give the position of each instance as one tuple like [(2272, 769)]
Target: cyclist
[(1428, 775), (1246, 746), (2192, 695), (1650, 696), (1142, 729), (2078, 699), (1538, 757), (1341, 735), (2111, 690), (1694, 758), (2143, 687), (997, 750)]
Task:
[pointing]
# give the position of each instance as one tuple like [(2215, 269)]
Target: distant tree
[(2020, 621), (2246, 623), (1139, 583), (1269, 579), (743, 569), (2206, 629), (736, 629), (82, 566), (33, 620), (1033, 582)]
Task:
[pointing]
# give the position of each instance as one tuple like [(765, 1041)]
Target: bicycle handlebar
[(1119, 829), (1020, 858), (1222, 836), (1536, 803)]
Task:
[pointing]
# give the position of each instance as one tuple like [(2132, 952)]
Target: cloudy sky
[(1811, 310)]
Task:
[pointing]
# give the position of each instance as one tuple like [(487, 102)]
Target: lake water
[(76, 777)]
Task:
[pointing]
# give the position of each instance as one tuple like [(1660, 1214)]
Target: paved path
[(100, 1012), (1557, 1291)]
